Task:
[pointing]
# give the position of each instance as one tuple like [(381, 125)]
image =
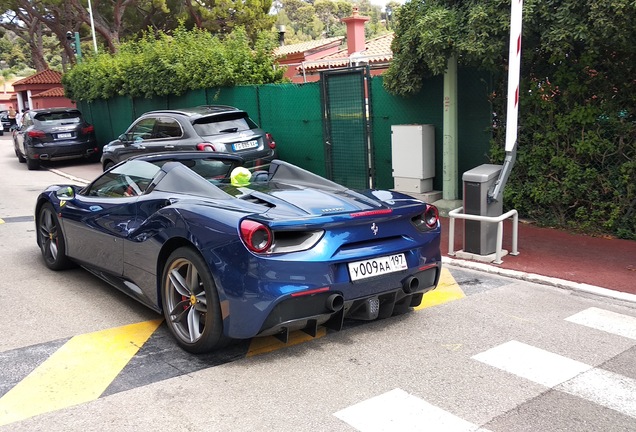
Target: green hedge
[(576, 161), (159, 65)]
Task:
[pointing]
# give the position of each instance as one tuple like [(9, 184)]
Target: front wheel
[(191, 302), (51, 239)]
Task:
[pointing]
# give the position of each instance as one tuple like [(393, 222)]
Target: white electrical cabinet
[(413, 157)]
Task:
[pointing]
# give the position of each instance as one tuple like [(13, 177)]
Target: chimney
[(355, 31), (281, 35)]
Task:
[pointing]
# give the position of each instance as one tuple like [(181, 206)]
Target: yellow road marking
[(264, 345), (78, 372), (1, 221), (447, 290), (452, 347), (83, 368)]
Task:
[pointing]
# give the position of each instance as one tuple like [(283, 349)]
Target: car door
[(97, 221)]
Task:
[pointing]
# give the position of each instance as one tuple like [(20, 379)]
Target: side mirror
[(65, 193)]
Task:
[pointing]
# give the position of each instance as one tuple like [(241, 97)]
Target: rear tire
[(32, 164), (191, 302), (21, 158), (108, 165)]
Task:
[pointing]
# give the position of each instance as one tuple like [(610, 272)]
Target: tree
[(118, 20), (222, 16), (30, 29), (330, 13)]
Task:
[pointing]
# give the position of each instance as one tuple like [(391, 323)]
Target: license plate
[(64, 135), (245, 145), (377, 266)]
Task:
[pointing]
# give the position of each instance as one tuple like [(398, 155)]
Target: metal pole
[(512, 112), (78, 48), (90, 13), (449, 159)]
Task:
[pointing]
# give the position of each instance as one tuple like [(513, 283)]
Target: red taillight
[(36, 134), (310, 292), (256, 236), (270, 141), (431, 216), (205, 147), (88, 129)]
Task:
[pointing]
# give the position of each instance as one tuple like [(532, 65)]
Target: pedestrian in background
[(11, 116), (18, 118)]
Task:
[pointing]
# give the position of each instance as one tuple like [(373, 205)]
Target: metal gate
[(346, 98)]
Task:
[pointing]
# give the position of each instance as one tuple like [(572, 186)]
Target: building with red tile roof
[(375, 52), (29, 90), (294, 55), (7, 95), (51, 98)]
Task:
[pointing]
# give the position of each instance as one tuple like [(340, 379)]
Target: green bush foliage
[(165, 64), (576, 161)]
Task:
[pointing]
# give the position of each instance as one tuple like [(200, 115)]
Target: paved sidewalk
[(552, 254)]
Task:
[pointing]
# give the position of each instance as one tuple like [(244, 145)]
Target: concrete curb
[(68, 176), (544, 280)]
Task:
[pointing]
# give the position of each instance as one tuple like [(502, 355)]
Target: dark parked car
[(225, 253), (4, 119), (216, 128), (54, 134)]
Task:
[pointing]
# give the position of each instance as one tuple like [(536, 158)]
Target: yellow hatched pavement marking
[(447, 290), (78, 372)]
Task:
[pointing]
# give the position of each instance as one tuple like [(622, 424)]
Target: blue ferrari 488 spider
[(228, 254)]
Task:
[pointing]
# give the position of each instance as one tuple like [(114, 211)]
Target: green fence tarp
[(292, 114)]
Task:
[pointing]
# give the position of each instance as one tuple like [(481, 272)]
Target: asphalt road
[(485, 353)]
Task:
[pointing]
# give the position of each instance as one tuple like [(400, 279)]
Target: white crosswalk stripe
[(398, 410), (534, 364), (602, 387), (605, 388), (607, 321)]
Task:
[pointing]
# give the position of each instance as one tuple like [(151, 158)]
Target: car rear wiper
[(228, 130)]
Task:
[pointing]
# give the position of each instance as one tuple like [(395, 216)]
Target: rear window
[(63, 117), (227, 123)]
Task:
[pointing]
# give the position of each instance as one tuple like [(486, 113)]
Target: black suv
[(54, 134), (216, 128)]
